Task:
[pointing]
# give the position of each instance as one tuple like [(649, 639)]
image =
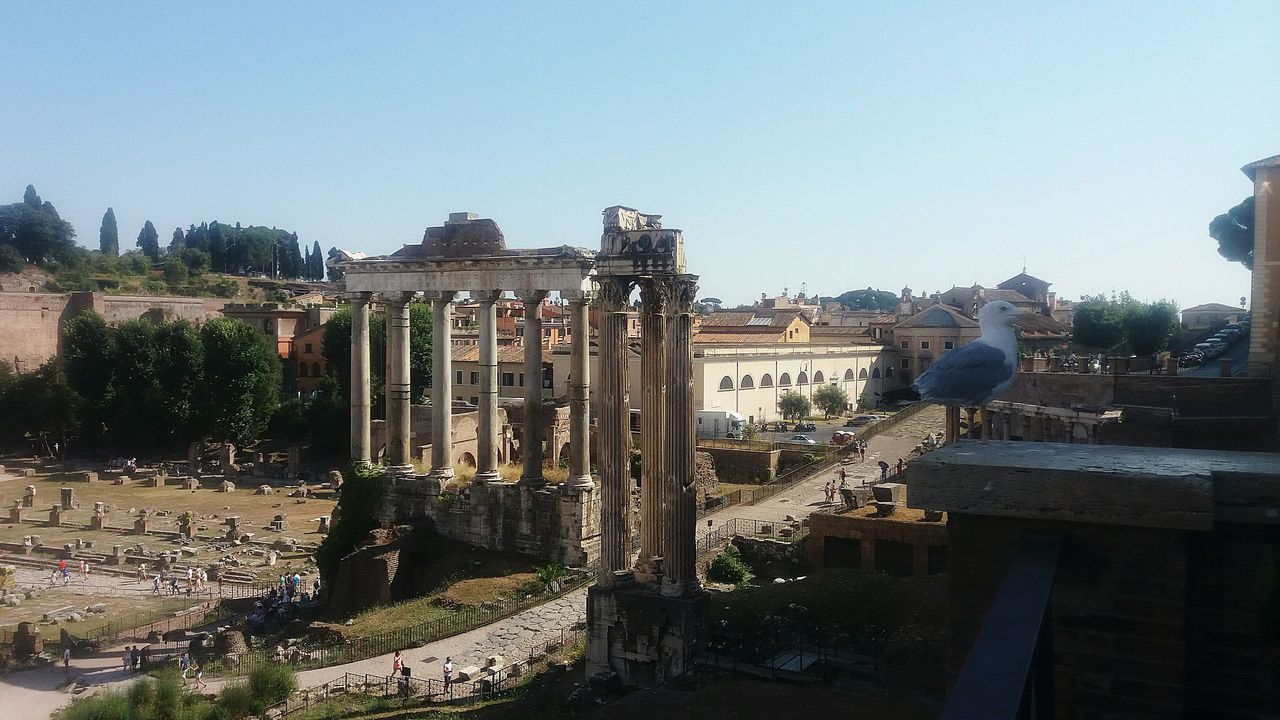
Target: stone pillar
[(361, 450), (442, 384), (615, 430), (680, 576), (1006, 422), (487, 432), (655, 302), (1069, 431), (531, 435), (579, 396), (399, 454)]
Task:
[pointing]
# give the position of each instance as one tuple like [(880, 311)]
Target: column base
[(617, 579), (673, 589), (488, 476), (582, 482), (401, 470), (532, 482), (645, 638), (441, 473), (649, 571)]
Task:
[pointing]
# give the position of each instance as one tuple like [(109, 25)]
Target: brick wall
[(735, 465)]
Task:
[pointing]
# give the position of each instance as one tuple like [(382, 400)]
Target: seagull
[(970, 376)]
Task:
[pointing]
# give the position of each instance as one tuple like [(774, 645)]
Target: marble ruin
[(643, 617)]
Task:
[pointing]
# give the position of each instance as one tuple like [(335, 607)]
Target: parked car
[(805, 427), (860, 420), (1191, 359), (802, 439)]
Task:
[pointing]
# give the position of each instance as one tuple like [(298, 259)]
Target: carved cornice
[(613, 293)]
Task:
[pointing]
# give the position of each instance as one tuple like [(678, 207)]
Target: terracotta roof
[(1022, 278), (772, 337), (1214, 307), (757, 318), (1036, 324), (506, 354), (1013, 296), (1251, 169), (938, 316)]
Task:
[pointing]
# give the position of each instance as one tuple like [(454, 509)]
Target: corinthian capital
[(655, 295), (684, 289), (614, 292)]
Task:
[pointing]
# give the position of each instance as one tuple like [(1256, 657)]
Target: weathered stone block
[(889, 492)]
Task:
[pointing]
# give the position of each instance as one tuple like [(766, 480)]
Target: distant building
[(1202, 317), (306, 359), (929, 334), (280, 322)]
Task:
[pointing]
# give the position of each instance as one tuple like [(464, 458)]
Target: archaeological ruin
[(644, 609)]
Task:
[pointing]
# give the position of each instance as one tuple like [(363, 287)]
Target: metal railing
[(1008, 672), (388, 642)]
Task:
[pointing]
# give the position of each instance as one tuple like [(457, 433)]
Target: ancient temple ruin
[(645, 608)]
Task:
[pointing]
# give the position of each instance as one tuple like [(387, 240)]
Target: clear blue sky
[(839, 144)]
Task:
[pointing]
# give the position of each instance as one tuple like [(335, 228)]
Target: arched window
[(888, 372), (802, 378), (818, 377), (848, 374), (784, 380), (862, 374), (302, 369), (875, 374), (315, 369), (726, 383), (766, 380), (746, 383)]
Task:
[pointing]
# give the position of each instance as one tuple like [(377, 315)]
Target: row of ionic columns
[(668, 503), (398, 387), (1002, 427)]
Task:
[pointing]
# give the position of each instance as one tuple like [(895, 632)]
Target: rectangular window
[(906, 363), (905, 344), (521, 379), (924, 344), (948, 345), (475, 378), (306, 348), (508, 380), (458, 377), (475, 400)]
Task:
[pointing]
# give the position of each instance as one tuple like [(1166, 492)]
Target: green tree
[(1234, 232), (10, 260), (35, 231), (307, 265), (793, 405), (196, 260), (831, 399), (335, 275), (109, 234), (1105, 323), (869, 299), (242, 380), (177, 242), (1098, 322), (149, 241), (88, 350), (39, 404), (336, 348), (294, 253), (175, 271), (31, 197), (317, 262), (1149, 327)]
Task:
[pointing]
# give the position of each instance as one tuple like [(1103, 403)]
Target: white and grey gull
[(971, 375)]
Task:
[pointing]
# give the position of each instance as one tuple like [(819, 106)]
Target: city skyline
[(840, 147)]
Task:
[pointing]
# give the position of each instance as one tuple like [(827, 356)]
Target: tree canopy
[(793, 405), (109, 234), (831, 399), (868, 299), (34, 231), (149, 241), (1103, 323), (1234, 232)]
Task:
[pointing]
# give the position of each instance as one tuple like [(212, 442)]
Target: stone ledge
[(1107, 484)]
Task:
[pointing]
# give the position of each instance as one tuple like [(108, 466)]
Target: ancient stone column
[(361, 452), (487, 433), (680, 577), (1006, 421), (531, 435), (579, 395), (442, 385), (399, 454), (615, 430), (655, 302)]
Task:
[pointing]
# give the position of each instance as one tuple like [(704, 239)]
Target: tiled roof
[(1036, 324), (506, 354), (1252, 168), (938, 316), (1214, 307), (759, 317)]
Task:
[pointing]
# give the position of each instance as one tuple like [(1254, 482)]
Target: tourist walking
[(128, 657), (184, 664), (448, 670), (884, 471), (901, 466), (397, 663), (155, 585), (200, 685), (66, 659), (135, 657)]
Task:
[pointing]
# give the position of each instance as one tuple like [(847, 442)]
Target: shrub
[(729, 567), (271, 684), (548, 574), (107, 706), (237, 701), (10, 259)]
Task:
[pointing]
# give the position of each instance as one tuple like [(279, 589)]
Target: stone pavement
[(808, 496)]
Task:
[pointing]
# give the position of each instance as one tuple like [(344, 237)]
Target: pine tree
[(178, 243), (109, 234), (30, 197), (149, 241), (296, 268), (308, 267)]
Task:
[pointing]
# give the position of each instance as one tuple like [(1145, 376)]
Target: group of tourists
[(163, 582), (135, 658), (398, 668), (63, 571), (185, 665), (290, 588)]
